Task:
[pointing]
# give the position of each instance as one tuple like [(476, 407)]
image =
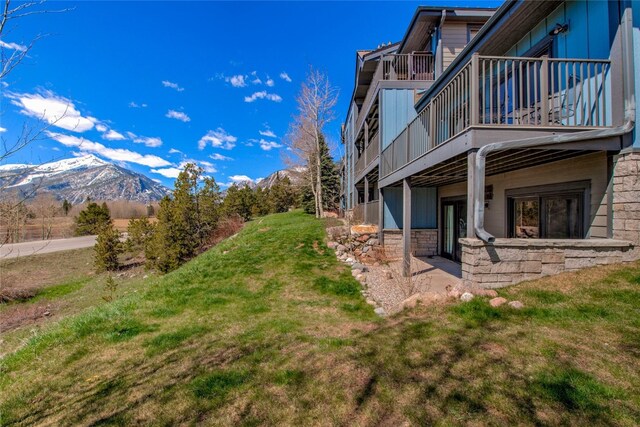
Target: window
[(472, 30), (551, 212)]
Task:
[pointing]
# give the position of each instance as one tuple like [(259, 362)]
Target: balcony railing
[(369, 155), (507, 92), (412, 66), (366, 215)]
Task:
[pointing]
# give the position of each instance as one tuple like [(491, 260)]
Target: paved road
[(15, 250)]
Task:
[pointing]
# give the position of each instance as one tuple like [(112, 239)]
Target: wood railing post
[(366, 144), (431, 132), (474, 86), (544, 91)]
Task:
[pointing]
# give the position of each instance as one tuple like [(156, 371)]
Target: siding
[(423, 207), (585, 38), (591, 167), (454, 39), (396, 112)]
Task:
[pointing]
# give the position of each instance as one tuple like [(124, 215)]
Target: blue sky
[(154, 84)]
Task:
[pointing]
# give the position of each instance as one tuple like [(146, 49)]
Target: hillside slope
[(268, 328)]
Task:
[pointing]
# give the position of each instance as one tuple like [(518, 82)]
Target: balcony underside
[(443, 162)]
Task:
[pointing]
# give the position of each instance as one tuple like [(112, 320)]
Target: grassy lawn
[(268, 328)]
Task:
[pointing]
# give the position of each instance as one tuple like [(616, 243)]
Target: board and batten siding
[(590, 35), (396, 112), (423, 207), (455, 37), (591, 167)]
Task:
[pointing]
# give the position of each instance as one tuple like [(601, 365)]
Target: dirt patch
[(18, 315), (316, 247)]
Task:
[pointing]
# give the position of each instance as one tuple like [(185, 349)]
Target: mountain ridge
[(77, 178)]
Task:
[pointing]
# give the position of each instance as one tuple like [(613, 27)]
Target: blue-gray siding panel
[(423, 207), (396, 112)]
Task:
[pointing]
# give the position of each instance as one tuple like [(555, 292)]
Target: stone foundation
[(626, 198), (509, 261), (423, 243)]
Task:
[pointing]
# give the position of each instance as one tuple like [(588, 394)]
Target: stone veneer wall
[(626, 198), (424, 242), (509, 261)]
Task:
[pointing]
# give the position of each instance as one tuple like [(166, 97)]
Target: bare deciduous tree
[(316, 101)]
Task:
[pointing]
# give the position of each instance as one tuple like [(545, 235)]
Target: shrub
[(107, 249)]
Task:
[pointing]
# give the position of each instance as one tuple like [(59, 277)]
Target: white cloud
[(13, 46), (101, 128), (115, 154), (178, 115), (218, 138), (284, 76), (112, 135), (207, 166), (172, 85), (56, 110), (217, 156), (236, 81), (268, 145), (263, 95), (152, 142), (256, 80), (171, 172), (174, 151), (270, 82), (2, 129), (268, 133), (133, 104)]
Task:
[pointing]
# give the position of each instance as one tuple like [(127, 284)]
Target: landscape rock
[(366, 249), (359, 266), (424, 298), (332, 245), (355, 272), (372, 242), (466, 297), (341, 248), (454, 293), (361, 278), (349, 260), (516, 304), (497, 302)]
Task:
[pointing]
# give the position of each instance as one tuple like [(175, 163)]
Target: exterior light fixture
[(559, 29)]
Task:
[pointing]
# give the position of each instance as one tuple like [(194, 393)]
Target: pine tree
[(107, 249), (262, 202), (208, 202), (282, 195), (330, 177), (92, 219), (66, 207), (239, 201)]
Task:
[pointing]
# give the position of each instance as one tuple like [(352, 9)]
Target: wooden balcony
[(368, 156), (412, 66), (507, 93)]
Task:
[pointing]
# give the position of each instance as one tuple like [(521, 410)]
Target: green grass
[(57, 291), (268, 329)]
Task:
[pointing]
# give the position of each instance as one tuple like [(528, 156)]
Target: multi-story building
[(520, 158)]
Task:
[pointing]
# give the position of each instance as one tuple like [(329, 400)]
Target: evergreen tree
[(282, 195), (107, 249), (330, 178), (208, 205), (307, 200), (66, 207), (239, 201), (139, 231), (262, 202), (92, 219)]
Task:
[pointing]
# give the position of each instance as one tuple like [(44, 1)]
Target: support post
[(474, 89), (380, 216), (366, 199), (471, 177), (544, 90), (406, 227)]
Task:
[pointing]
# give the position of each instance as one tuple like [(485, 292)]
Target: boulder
[(516, 304), (355, 272), (363, 238), (364, 229), (497, 302), (366, 249), (466, 297), (361, 278), (341, 248), (332, 245), (372, 242), (359, 266), (425, 298)]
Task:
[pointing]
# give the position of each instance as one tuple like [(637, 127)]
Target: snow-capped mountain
[(77, 178), (295, 175)]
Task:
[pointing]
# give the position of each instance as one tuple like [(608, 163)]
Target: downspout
[(440, 47), (545, 141)]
